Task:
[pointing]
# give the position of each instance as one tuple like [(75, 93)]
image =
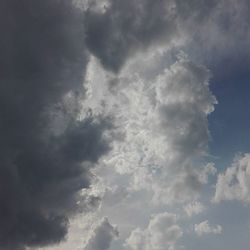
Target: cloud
[(161, 139), (115, 195), (116, 30), (205, 228), (234, 183), (221, 41), (46, 150), (194, 208), (186, 185), (162, 233), (160, 108), (53, 130), (162, 127), (123, 28), (102, 236)]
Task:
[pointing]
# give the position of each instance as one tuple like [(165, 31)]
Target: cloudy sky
[(124, 125)]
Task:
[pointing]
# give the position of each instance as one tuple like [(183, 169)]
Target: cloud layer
[(103, 113)]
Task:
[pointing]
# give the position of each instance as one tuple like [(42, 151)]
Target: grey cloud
[(102, 236), (46, 153), (197, 10), (115, 195), (126, 26), (121, 28), (221, 41), (233, 184)]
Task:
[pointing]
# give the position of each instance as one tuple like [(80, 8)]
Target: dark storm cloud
[(126, 26), (123, 27), (195, 9), (46, 153)]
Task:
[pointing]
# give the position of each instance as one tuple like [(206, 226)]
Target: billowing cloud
[(234, 183), (126, 26), (162, 129), (162, 233), (159, 103), (117, 29), (205, 228), (68, 69), (161, 137), (102, 236), (46, 151)]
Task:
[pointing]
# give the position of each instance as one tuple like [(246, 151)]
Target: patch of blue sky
[(229, 124)]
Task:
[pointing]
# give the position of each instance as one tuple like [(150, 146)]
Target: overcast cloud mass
[(107, 116)]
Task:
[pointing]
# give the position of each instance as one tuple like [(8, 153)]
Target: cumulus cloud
[(46, 151), (162, 233), (162, 128), (205, 228), (185, 186), (102, 236), (234, 183), (161, 137), (194, 208), (160, 109)]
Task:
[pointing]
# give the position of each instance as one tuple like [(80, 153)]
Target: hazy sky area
[(124, 125)]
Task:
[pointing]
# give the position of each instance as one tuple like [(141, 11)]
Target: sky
[(124, 125)]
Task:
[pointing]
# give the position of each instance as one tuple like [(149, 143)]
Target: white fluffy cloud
[(234, 183), (162, 233), (102, 236), (205, 228), (161, 127), (194, 208)]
